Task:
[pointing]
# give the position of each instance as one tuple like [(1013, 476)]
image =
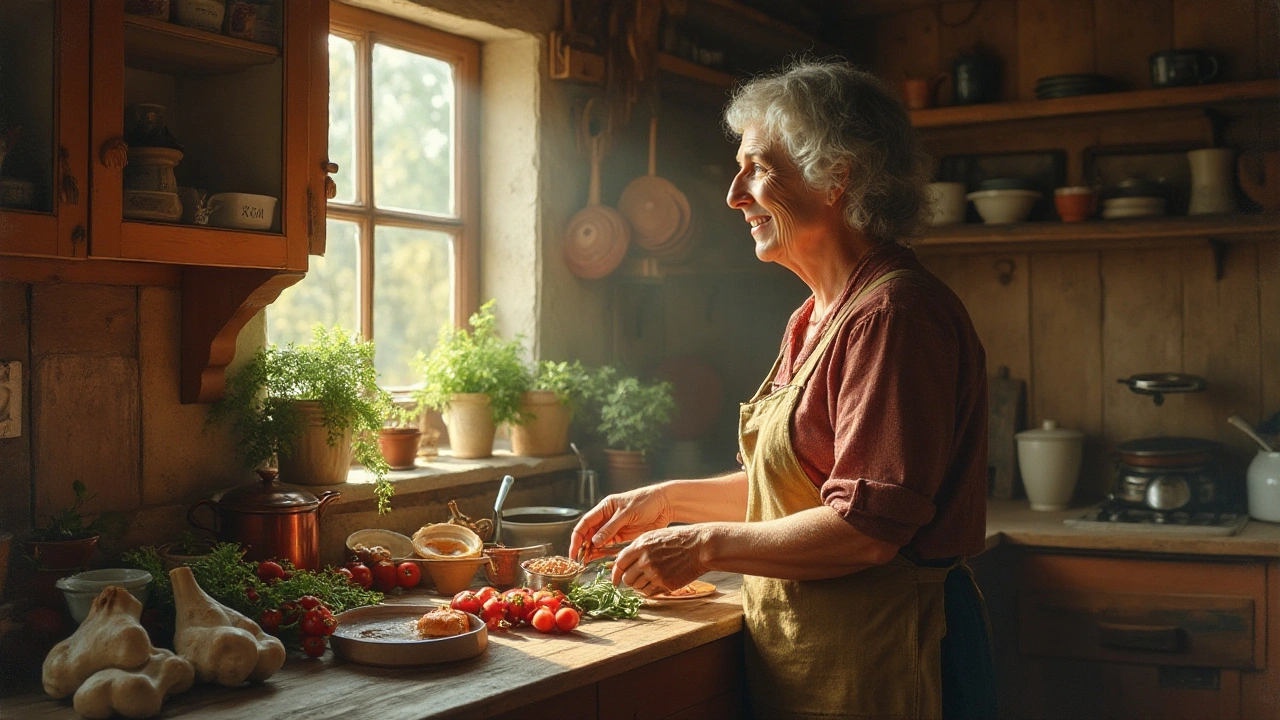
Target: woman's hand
[(663, 560), (620, 518)]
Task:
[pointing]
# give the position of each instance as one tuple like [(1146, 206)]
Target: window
[(400, 260)]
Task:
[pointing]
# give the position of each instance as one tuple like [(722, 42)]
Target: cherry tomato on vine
[(314, 622), (543, 620), (270, 621), (313, 645), (466, 601), (408, 574), (362, 575), (485, 593), (567, 619), (308, 602), (270, 571)]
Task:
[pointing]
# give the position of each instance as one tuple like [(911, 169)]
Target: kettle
[(269, 520)]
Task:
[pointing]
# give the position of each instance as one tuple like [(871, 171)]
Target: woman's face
[(786, 215)]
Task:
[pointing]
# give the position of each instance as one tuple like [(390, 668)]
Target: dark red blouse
[(892, 427)]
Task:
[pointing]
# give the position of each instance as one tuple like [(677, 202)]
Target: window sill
[(444, 472)]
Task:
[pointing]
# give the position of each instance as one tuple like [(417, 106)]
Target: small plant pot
[(546, 434), (171, 558), (399, 446), (312, 460), (56, 560), (627, 470), (471, 427)]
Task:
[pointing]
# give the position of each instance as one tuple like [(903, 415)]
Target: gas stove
[(1112, 516)]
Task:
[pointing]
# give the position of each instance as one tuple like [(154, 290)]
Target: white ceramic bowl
[(1004, 206), (398, 545), (80, 589), (242, 211)]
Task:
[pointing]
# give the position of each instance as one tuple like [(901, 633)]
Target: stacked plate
[(1061, 86), (1132, 207)]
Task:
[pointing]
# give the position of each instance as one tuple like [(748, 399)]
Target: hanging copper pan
[(597, 236), (657, 210)]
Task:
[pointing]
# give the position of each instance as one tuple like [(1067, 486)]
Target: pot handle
[(326, 498), (191, 515)]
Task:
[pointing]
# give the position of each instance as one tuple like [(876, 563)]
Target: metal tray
[(402, 650)]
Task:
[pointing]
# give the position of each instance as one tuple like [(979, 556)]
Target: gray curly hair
[(842, 127)]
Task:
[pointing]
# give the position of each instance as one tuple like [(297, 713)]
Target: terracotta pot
[(269, 520), (399, 446), (470, 424), (546, 434), (312, 460), (627, 470), (64, 554)]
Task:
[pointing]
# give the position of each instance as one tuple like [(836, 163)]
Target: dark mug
[(975, 79), (1177, 68)]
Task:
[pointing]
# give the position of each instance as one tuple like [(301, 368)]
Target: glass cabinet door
[(200, 118), (44, 84)]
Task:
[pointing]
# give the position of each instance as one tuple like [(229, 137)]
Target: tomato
[(362, 575), (308, 602), (251, 594), (313, 645), (494, 614), (567, 619), (547, 599), (315, 623), (270, 571), (270, 621), (385, 577), (408, 574), (346, 574), (289, 612), (543, 620), (519, 605), (484, 593), (466, 601)]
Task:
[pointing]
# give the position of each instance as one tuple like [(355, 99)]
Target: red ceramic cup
[(1075, 204)]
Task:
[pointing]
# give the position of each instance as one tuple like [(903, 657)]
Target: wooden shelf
[(684, 68), (1100, 234), (770, 24), (172, 49), (1107, 103), (194, 245)]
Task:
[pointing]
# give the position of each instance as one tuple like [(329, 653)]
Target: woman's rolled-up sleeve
[(891, 392)]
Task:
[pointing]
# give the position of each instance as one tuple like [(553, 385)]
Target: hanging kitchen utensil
[(1157, 385), (597, 236), (1243, 426), (657, 210)]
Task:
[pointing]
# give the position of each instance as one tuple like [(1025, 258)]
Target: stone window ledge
[(444, 472)]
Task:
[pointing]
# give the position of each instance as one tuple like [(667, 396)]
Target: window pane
[(342, 116), (413, 133), (28, 59), (412, 296), (326, 295)]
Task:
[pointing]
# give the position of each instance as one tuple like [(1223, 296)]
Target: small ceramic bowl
[(80, 589), (451, 575), (398, 545), (447, 541), (242, 211), (1004, 206)]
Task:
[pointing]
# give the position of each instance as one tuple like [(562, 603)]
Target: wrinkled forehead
[(756, 143)]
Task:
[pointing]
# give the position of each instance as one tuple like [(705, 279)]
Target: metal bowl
[(540, 525), (561, 582), (401, 651)]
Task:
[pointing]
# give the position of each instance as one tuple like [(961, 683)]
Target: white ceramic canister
[(1263, 479), (1212, 175), (948, 201), (1049, 459)]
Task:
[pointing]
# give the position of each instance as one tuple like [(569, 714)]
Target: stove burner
[(1119, 513)]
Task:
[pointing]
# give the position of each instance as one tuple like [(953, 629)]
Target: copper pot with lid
[(269, 520)]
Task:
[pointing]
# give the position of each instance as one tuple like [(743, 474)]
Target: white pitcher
[(1212, 191), (1263, 479)]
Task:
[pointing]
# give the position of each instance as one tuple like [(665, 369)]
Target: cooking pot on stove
[(269, 520), (1168, 473)]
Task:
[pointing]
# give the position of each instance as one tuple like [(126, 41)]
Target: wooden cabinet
[(251, 116), (1134, 636)]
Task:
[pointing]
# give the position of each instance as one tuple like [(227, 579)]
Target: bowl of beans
[(552, 571)]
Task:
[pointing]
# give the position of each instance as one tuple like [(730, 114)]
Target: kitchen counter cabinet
[(686, 654)]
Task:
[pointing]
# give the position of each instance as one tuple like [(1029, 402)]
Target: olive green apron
[(864, 645)]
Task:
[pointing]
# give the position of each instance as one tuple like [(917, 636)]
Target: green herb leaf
[(600, 598)]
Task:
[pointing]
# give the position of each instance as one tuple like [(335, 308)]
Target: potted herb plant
[(547, 409), (313, 408), (475, 378), (400, 436), (633, 416), (67, 541)]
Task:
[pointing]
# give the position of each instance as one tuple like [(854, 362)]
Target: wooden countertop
[(1014, 522), (519, 667)]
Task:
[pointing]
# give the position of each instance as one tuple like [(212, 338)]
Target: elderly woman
[(864, 452)]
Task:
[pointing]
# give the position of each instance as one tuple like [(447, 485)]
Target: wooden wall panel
[(906, 45), (1053, 38), (1141, 332), (1221, 343), (1066, 355), (1268, 38), (1224, 26), (1128, 31), (999, 312), (1269, 326), (993, 28)]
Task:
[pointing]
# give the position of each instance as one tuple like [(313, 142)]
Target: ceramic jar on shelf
[(1212, 189)]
